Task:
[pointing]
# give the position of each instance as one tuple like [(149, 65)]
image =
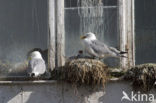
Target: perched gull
[(44, 53), (37, 65), (98, 49)]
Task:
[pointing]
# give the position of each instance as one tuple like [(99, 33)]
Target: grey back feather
[(114, 50), (100, 47)]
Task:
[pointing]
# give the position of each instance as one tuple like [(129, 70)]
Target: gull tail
[(123, 52), (123, 56)]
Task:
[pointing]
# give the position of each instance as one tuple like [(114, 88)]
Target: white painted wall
[(59, 92)]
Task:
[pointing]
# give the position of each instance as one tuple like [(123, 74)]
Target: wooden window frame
[(126, 23), (56, 40), (126, 20), (56, 37)]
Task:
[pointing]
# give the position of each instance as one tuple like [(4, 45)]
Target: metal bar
[(105, 7)]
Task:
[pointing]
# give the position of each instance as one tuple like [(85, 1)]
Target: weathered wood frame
[(126, 30), (51, 36), (57, 32)]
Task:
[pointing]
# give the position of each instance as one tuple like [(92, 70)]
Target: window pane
[(145, 31), (23, 26), (103, 24)]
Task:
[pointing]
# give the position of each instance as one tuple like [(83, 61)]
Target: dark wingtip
[(122, 52), (123, 56)]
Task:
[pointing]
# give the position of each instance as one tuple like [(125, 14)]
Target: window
[(23, 26), (101, 20)]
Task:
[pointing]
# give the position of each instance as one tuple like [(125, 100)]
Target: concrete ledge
[(28, 82)]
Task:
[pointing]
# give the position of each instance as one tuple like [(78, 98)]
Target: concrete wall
[(59, 92)]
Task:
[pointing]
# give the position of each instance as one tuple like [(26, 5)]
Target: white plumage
[(36, 66), (98, 49)]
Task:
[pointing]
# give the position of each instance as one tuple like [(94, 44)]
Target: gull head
[(36, 54), (89, 36)]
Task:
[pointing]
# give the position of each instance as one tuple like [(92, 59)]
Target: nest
[(143, 76), (85, 71)]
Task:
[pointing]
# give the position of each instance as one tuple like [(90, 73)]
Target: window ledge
[(28, 82)]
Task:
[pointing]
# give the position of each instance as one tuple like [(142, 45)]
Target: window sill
[(25, 80), (28, 82)]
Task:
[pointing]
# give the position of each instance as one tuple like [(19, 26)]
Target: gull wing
[(100, 47), (114, 50), (103, 49)]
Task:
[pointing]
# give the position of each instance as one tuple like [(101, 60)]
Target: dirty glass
[(23, 26), (145, 29), (100, 19)]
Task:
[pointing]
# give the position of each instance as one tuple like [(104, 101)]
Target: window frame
[(126, 20), (126, 29), (56, 35)]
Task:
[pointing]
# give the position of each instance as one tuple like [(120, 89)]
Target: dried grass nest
[(143, 76), (85, 71)]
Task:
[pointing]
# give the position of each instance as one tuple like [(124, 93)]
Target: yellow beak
[(82, 37)]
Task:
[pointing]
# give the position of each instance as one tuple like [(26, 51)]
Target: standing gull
[(36, 65), (98, 49)]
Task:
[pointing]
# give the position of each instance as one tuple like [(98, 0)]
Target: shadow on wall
[(46, 93), (60, 92), (66, 93), (10, 94)]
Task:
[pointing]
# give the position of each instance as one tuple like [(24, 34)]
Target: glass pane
[(79, 20), (145, 31), (23, 26)]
